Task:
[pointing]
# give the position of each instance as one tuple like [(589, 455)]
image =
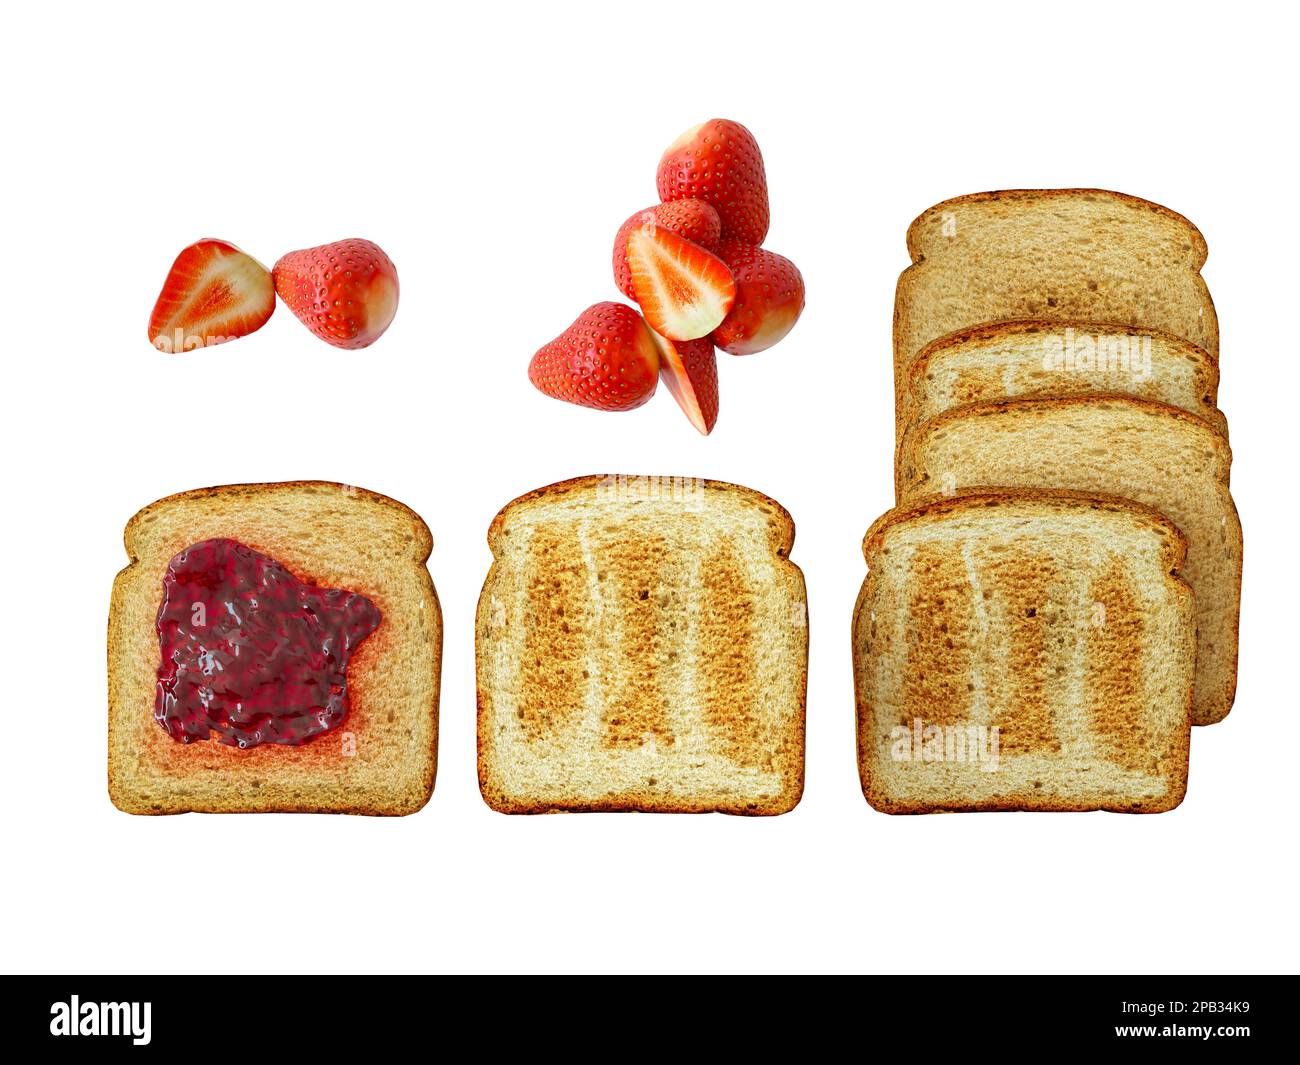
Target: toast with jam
[(274, 648), (1024, 650), (642, 645)]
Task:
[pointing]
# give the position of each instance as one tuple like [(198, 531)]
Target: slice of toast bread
[(1149, 452), (1031, 358), (1023, 651), (382, 758), (642, 645), (1057, 254)]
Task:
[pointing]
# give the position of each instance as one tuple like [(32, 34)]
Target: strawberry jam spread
[(249, 651)]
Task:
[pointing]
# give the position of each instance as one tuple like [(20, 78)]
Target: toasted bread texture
[(1084, 255), (382, 758), (1031, 358), (1023, 651), (642, 645), (1148, 452)]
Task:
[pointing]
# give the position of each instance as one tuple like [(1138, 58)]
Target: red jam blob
[(250, 652)]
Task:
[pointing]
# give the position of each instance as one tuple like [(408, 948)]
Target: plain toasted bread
[(1149, 452), (1031, 358), (1084, 255), (382, 758), (1023, 651), (642, 645)]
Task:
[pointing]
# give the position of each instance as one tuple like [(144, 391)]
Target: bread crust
[(1012, 195), (1174, 553), (152, 786), (781, 533), (992, 495), (256, 490), (905, 463), (1220, 445), (578, 485), (1014, 326), (1206, 373)]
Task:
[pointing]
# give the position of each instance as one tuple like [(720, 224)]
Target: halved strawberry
[(344, 292), (690, 370), (684, 291), (607, 359), (693, 219), (213, 293), (719, 162), (769, 299)]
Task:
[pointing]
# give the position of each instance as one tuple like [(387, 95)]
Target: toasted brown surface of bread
[(1033, 358), (1149, 452), (1055, 254), (642, 645), (382, 758), (1023, 650)]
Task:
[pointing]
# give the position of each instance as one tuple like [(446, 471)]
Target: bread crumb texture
[(1151, 453), (1024, 651), (642, 645)]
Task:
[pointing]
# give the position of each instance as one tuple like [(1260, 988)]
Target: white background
[(492, 150)]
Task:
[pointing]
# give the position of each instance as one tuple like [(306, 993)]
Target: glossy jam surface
[(249, 652)]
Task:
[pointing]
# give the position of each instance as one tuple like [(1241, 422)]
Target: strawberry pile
[(344, 292), (695, 265)]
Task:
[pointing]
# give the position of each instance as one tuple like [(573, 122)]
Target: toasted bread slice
[(381, 759), (1064, 255), (1023, 651), (1149, 452), (642, 645), (1033, 358)]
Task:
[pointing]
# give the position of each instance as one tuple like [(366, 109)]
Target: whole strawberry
[(695, 220), (607, 359), (344, 292), (769, 298), (719, 162)]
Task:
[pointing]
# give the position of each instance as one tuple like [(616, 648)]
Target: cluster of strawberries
[(344, 292), (695, 266)]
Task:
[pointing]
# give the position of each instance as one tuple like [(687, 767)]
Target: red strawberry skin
[(695, 220), (607, 359), (345, 292), (689, 369), (213, 293), (719, 162), (769, 299)]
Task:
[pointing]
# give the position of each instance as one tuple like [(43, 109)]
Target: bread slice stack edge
[(1060, 344)]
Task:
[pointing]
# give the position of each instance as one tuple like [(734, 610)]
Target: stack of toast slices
[(1061, 471), (642, 645)]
